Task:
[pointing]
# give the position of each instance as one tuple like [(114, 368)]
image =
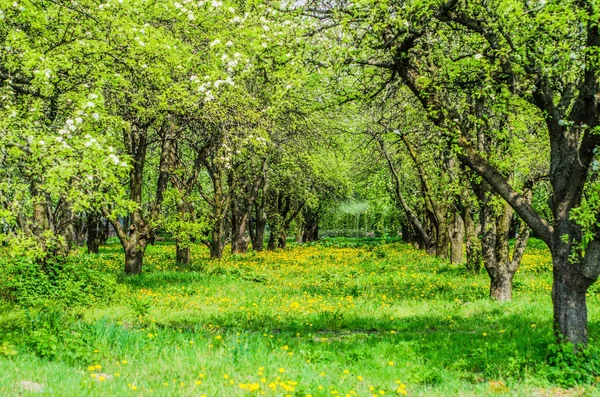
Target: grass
[(344, 317)]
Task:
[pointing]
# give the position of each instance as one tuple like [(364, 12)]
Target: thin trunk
[(272, 243), (259, 235), (94, 224), (442, 242), (473, 246), (457, 237), (182, 248)]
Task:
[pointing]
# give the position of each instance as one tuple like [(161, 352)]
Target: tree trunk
[(259, 235), (282, 240), (456, 239), (569, 303), (239, 244), (569, 288), (182, 255), (272, 243), (473, 245), (442, 242), (216, 245), (239, 223), (134, 257), (93, 234), (501, 284), (300, 234)]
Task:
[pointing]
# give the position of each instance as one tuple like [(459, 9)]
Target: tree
[(545, 54)]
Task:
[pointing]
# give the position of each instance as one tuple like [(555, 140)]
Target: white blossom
[(114, 159)]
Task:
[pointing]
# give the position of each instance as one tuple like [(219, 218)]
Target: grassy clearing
[(340, 318)]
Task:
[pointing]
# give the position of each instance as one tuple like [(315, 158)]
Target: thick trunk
[(93, 234), (182, 255), (239, 244), (259, 235), (216, 245), (570, 308), (239, 223), (456, 239), (442, 243), (501, 284), (134, 257), (494, 245), (569, 288), (311, 229), (299, 234)]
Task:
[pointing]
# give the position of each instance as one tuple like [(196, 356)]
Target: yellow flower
[(282, 370), (198, 382), (253, 386), (346, 371), (91, 368), (360, 378), (390, 363)]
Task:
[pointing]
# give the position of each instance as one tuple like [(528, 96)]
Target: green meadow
[(342, 317)]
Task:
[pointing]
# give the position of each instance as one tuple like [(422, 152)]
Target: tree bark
[(501, 284), (457, 237), (239, 223), (182, 255), (258, 237), (134, 257), (94, 224), (216, 245), (473, 246)]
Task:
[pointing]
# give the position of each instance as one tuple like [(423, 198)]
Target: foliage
[(66, 282)]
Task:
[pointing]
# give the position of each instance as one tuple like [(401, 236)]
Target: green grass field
[(340, 318)]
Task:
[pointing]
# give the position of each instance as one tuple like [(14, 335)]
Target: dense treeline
[(460, 124)]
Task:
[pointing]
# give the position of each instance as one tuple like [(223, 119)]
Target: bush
[(65, 281), (568, 368)]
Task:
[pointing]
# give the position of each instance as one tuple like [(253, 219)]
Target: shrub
[(66, 281)]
